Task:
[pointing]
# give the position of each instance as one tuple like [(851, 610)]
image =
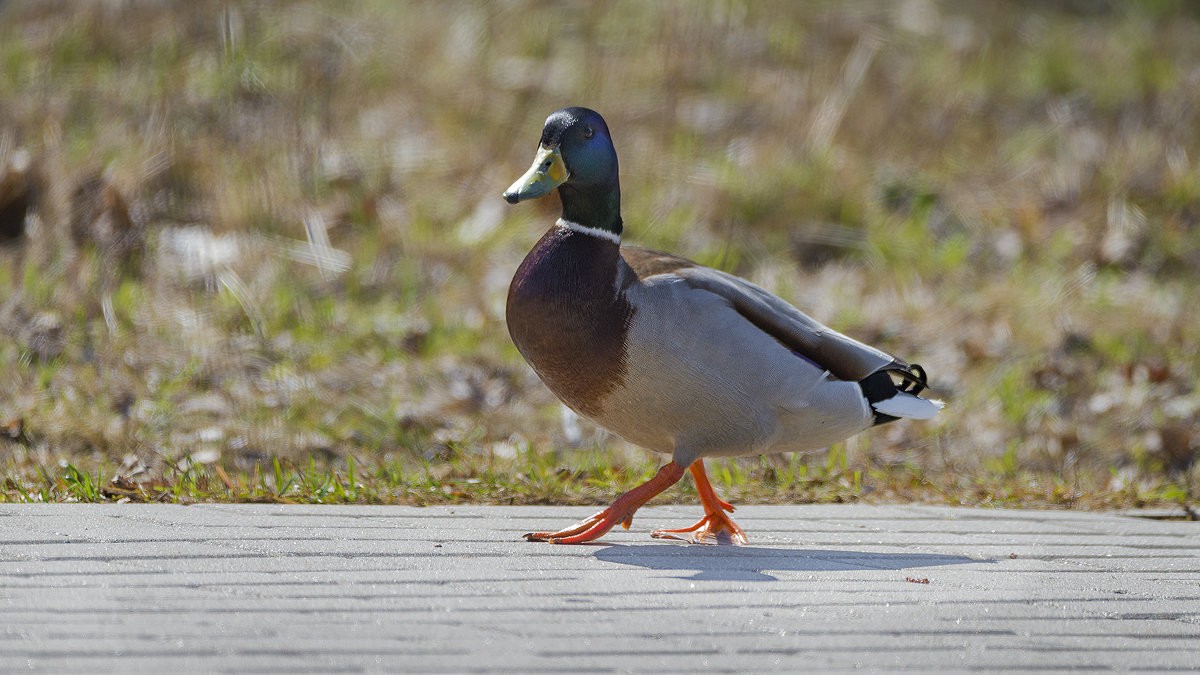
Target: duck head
[(576, 155)]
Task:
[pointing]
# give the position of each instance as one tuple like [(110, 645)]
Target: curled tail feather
[(890, 401)]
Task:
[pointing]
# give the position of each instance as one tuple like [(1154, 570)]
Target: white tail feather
[(907, 405)]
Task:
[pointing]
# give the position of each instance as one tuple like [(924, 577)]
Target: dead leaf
[(13, 429)]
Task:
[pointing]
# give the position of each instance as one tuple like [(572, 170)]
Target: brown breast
[(568, 319)]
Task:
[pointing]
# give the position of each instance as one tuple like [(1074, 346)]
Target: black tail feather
[(878, 386)]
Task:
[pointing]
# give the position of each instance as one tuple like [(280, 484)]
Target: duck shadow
[(748, 563)]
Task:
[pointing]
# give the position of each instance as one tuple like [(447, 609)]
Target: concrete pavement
[(266, 588)]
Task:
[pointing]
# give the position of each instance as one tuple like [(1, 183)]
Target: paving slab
[(272, 588)]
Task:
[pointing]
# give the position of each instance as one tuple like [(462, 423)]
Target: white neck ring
[(590, 231)]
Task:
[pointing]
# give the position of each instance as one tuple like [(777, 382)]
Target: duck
[(681, 359)]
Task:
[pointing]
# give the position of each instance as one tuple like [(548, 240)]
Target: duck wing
[(844, 357)]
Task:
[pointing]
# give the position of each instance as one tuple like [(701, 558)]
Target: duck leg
[(714, 522), (621, 511)]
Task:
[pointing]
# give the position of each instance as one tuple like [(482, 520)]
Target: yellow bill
[(548, 172)]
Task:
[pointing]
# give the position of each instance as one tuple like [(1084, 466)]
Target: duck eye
[(588, 132)]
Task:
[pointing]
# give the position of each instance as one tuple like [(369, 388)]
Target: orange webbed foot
[(621, 511), (715, 527), (583, 531)]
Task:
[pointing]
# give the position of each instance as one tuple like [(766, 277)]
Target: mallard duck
[(678, 358)]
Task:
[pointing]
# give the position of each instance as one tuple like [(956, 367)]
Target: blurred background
[(258, 250)]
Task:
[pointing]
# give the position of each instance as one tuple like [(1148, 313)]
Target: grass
[(536, 478), (265, 256)]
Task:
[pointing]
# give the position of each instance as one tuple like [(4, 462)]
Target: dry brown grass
[(261, 231)]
